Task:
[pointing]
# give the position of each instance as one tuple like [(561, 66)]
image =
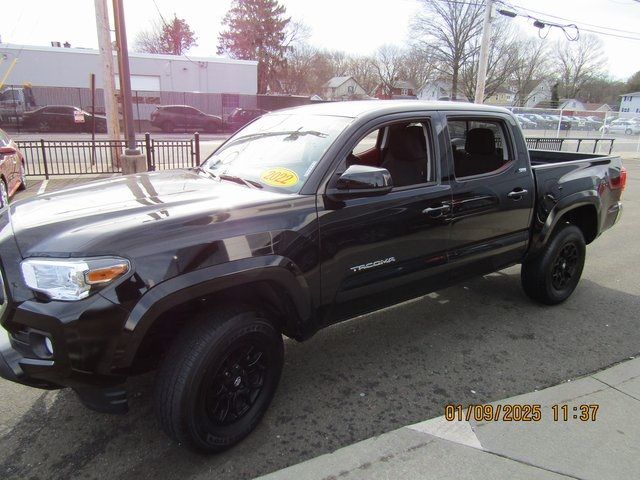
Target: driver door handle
[(437, 211), (517, 193)]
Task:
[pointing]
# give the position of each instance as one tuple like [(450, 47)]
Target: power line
[(577, 24), (574, 21)]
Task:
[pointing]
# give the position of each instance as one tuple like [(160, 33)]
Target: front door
[(377, 251)]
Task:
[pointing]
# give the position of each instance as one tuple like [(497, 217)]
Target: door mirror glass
[(361, 181)]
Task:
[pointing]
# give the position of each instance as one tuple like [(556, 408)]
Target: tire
[(44, 126), (4, 194), (167, 126), (628, 131), (23, 177), (552, 276), (218, 379)]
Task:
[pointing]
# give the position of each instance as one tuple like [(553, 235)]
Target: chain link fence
[(589, 131)]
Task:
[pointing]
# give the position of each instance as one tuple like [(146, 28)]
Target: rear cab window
[(480, 146)]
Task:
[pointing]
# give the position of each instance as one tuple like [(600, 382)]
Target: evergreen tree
[(633, 84), (256, 30)]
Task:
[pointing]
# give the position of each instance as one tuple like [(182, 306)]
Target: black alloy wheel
[(565, 266), (219, 378), (551, 275)]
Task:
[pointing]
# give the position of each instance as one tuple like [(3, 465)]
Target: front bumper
[(81, 333)]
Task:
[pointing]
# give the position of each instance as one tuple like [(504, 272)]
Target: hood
[(101, 217)]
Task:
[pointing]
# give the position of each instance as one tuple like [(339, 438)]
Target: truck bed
[(545, 157)]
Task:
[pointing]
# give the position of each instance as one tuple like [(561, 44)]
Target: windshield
[(277, 151)]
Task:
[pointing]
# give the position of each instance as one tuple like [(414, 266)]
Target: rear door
[(492, 191), (377, 251)]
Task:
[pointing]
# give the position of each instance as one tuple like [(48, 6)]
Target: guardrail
[(546, 143), (86, 157)]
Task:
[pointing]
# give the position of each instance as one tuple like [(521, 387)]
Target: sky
[(353, 26)]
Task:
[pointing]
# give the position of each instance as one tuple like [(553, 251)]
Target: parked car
[(56, 118), (12, 169), (565, 123), (541, 121), (295, 223), (593, 123), (524, 122), (621, 126), (169, 118), (241, 116)]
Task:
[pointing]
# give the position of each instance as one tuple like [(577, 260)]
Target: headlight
[(71, 279)]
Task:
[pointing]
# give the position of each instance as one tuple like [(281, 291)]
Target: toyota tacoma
[(304, 218)]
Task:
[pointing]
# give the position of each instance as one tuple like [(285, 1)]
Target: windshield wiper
[(240, 180), (200, 168)]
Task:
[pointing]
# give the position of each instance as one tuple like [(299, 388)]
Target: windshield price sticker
[(279, 177)]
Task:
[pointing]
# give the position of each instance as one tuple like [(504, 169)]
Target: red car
[(12, 169)]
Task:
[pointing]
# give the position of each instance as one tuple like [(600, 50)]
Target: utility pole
[(108, 86), (484, 52), (132, 161)]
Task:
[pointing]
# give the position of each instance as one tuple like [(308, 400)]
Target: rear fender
[(564, 206)]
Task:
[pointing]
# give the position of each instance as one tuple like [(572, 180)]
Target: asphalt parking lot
[(479, 341)]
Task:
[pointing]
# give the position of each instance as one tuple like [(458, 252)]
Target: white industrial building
[(71, 67), (630, 103)]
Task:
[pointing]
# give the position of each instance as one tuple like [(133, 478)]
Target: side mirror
[(360, 181), (7, 151)]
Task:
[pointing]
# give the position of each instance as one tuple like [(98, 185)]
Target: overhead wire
[(577, 25)]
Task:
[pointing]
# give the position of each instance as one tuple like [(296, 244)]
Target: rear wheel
[(44, 126), (552, 276), (218, 379), (628, 131), (213, 127)]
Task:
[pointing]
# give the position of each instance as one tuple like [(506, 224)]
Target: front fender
[(207, 281)]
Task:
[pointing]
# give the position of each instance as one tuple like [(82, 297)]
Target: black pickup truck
[(306, 217)]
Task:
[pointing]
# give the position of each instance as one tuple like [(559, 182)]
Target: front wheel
[(218, 379), (551, 276), (628, 131)]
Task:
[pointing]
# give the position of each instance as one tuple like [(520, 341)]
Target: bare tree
[(530, 69), (418, 66), (362, 68), (450, 28), (503, 55), (173, 38), (578, 62), (388, 64), (150, 41)]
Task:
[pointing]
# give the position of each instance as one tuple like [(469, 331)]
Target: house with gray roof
[(343, 88)]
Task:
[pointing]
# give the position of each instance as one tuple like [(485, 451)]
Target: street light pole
[(132, 160), (484, 52)]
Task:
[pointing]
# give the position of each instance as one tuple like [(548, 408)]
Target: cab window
[(403, 148), (479, 147)]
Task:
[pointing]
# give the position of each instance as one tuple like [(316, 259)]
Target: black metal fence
[(569, 144), (86, 157)]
